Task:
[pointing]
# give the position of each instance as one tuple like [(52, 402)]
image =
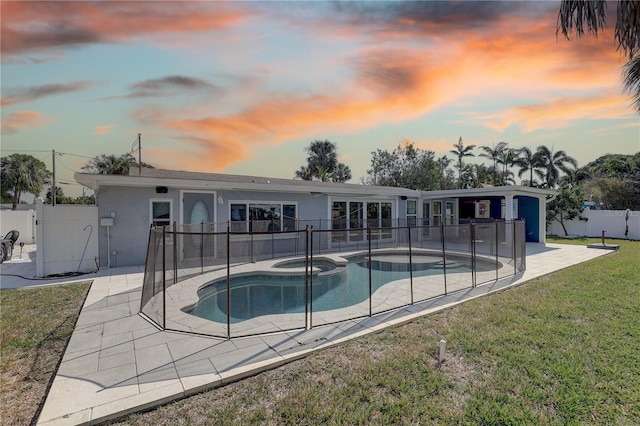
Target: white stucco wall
[(67, 239), (610, 221), (21, 220)]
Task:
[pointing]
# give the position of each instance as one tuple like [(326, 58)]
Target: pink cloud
[(103, 130), (412, 63), (42, 26), (24, 119), (561, 112)]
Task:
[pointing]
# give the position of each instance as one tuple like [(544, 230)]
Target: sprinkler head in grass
[(443, 348)]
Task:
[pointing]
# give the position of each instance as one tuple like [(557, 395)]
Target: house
[(129, 205)]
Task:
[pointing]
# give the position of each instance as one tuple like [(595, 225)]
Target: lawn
[(562, 349), (36, 325)]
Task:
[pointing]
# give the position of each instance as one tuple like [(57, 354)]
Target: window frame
[(412, 218), (153, 221), (247, 226)]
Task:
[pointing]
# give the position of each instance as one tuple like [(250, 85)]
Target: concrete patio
[(117, 363)]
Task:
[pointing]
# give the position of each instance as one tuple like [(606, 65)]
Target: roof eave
[(95, 181)]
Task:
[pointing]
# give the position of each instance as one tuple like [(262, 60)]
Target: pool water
[(334, 287)]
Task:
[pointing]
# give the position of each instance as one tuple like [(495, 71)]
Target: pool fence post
[(175, 254), (410, 260), (202, 247), (310, 301), (370, 261), (164, 278), (444, 257), (306, 278), (472, 230), (228, 281), (497, 248), (524, 244), (513, 243), (253, 256), (273, 247)]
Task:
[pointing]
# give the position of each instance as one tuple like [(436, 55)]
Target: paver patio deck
[(117, 363)]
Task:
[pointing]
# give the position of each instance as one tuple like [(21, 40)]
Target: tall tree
[(476, 174), (322, 163), (506, 159), (342, 173), (552, 164), (304, 173), (461, 151), (567, 205), (613, 180), (526, 162), (494, 153), (578, 15), (109, 164), (631, 78), (406, 166), (443, 164), (60, 197), (23, 173)]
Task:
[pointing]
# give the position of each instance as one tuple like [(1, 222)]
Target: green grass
[(35, 327), (561, 350)]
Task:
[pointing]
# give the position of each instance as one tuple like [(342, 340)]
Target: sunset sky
[(244, 87)]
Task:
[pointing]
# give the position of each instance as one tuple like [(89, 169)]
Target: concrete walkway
[(117, 363)]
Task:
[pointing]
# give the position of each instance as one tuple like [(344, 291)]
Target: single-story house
[(129, 205)]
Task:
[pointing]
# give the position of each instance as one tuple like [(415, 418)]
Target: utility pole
[(139, 154), (53, 187)]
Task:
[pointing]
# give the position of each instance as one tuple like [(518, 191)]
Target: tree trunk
[(564, 228), (16, 198)]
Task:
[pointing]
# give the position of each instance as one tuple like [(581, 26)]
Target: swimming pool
[(336, 285)]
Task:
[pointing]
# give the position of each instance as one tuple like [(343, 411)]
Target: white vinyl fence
[(612, 222), (23, 221), (67, 239)]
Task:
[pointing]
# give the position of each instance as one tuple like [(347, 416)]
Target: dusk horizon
[(244, 87)]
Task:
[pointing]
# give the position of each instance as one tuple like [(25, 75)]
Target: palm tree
[(341, 173), (552, 164), (592, 14), (304, 173), (23, 173), (322, 155), (476, 174), (506, 158), (461, 151), (60, 197), (112, 165), (631, 77), (494, 153), (322, 163), (527, 162)]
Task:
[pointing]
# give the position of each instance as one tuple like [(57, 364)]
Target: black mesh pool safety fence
[(233, 283)]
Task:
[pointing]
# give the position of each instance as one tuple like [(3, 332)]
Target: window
[(426, 214), (379, 216), (161, 212), (412, 212), (339, 215), (356, 220), (353, 217), (437, 213), (449, 212), (262, 217), (339, 220), (426, 219)]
